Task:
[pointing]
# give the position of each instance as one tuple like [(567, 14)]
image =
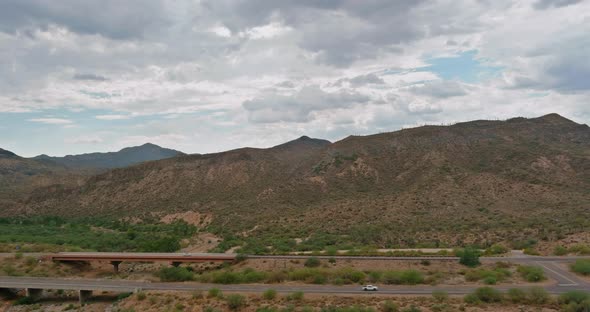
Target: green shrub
[(440, 296), (296, 296), (214, 293), (560, 251), (235, 301), (496, 249), (517, 295), (531, 252), (576, 296), (269, 294), (469, 257), (531, 273), (471, 299), (25, 300), (408, 277), (312, 262), (538, 295), (490, 280), (581, 266), (175, 274), (580, 249), (488, 294), (389, 306)]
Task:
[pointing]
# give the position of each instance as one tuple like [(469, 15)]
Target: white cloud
[(52, 121), (91, 139), (112, 117)]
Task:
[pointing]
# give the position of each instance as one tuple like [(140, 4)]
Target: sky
[(213, 75)]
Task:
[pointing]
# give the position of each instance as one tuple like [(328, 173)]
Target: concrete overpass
[(115, 258)]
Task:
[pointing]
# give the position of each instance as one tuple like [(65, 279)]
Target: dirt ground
[(197, 302)]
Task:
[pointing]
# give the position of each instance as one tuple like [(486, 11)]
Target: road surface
[(131, 286)]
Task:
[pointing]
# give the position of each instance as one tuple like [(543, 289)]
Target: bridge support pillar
[(175, 264), (84, 295), (34, 293), (116, 265)]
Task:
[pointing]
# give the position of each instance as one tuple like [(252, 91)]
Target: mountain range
[(123, 158), (479, 181), (20, 176)]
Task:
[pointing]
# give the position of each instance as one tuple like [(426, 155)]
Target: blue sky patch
[(464, 67)]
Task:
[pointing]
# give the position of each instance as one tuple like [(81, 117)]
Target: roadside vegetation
[(320, 276), (93, 234), (581, 266)]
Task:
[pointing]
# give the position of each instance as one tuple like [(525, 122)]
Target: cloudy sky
[(211, 75)]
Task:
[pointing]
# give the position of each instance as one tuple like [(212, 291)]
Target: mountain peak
[(304, 141), (555, 119), (7, 154)]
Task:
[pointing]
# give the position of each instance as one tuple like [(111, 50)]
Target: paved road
[(129, 286)]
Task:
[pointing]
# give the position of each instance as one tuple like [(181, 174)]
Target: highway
[(131, 286)]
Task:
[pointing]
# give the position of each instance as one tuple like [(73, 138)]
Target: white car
[(370, 288)]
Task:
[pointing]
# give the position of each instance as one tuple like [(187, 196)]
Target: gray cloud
[(342, 31), (565, 71), (110, 18), (299, 107), (439, 89), (545, 4), (359, 81), (91, 77)]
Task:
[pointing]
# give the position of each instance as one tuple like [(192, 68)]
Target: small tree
[(312, 262), (469, 257)]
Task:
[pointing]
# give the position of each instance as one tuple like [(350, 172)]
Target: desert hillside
[(480, 181)]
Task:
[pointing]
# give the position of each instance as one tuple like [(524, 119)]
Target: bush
[(412, 308), (581, 266), (490, 280), (215, 293), (25, 300), (517, 295), (496, 250), (531, 273), (269, 294), (123, 295), (560, 251), (471, 299), (469, 257), (312, 262), (408, 277), (235, 301), (440, 296), (141, 296), (573, 296), (296, 296), (538, 295), (175, 274), (487, 294), (389, 306)]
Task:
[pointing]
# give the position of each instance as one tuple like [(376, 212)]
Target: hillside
[(480, 181), (123, 158), (20, 176)]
